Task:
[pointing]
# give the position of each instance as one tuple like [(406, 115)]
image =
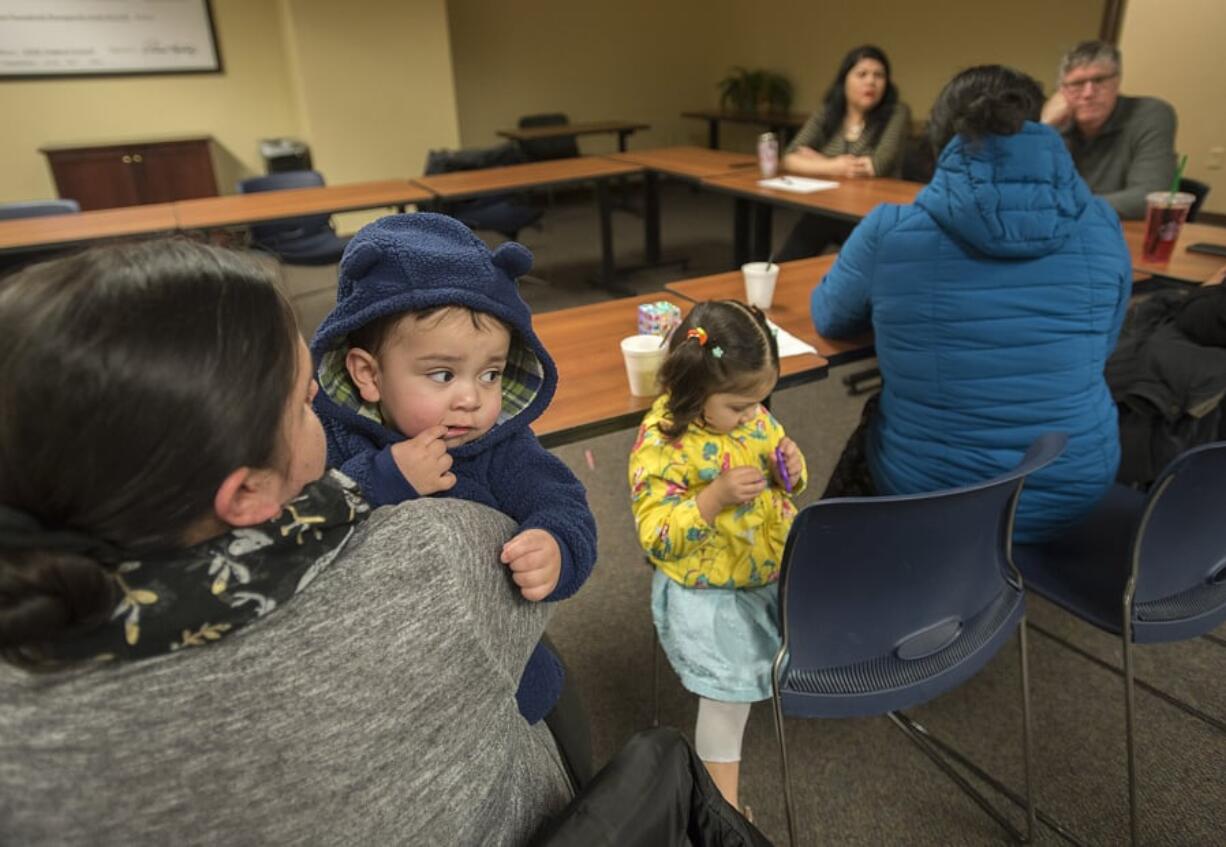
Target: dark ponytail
[(693, 371), (981, 101), (137, 377)]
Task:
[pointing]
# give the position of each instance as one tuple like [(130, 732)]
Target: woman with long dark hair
[(859, 131), (206, 638), (995, 299)]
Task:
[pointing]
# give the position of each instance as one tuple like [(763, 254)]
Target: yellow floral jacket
[(744, 547)]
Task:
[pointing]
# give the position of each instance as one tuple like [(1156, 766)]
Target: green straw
[(1183, 163)]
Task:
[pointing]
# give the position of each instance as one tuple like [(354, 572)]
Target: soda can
[(768, 154)]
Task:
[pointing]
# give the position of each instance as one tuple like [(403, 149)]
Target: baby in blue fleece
[(430, 375)]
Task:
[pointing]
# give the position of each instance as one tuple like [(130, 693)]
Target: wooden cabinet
[(111, 175)]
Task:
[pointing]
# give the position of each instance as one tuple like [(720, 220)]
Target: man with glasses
[(1124, 147)]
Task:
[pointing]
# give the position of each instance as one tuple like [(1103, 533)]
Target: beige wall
[(367, 84), (375, 86), (251, 100), (650, 61), (1193, 84), (603, 59)]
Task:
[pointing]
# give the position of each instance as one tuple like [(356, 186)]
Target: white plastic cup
[(644, 354), (760, 278)]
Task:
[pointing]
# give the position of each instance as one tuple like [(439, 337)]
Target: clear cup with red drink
[(1165, 214)]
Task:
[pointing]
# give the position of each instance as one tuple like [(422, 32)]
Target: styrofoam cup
[(643, 355), (760, 280)]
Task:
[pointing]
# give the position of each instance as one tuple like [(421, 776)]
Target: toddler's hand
[(791, 460), (535, 560), (739, 485), (425, 462)]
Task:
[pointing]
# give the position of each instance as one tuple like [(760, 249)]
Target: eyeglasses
[(1095, 81)]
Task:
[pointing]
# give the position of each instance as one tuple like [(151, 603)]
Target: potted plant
[(745, 90)]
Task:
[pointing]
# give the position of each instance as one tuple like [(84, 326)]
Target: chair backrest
[(293, 227), (1179, 553), (866, 576), (562, 147), (38, 209), (1199, 190)]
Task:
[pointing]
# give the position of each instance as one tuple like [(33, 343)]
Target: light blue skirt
[(720, 641)]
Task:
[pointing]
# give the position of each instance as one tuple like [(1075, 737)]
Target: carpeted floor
[(860, 782)]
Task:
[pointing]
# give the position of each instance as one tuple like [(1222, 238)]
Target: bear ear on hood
[(513, 258), (357, 262)]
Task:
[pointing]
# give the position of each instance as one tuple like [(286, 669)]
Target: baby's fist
[(535, 560)]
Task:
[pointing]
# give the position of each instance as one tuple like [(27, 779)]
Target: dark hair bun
[(992, 113), (985, 100), (44, 595)]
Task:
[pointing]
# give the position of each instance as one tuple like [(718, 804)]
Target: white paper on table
[(790, 345), (798, 184)]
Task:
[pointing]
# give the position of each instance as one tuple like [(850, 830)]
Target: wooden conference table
[(593, 394), (624, 130), (465, 185), (850, 201), (26, 234), (687, 163), (778, 122), (1183, 266), (263, 206), (790, 306)]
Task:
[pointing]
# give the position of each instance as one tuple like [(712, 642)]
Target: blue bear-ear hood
[(414, 262)]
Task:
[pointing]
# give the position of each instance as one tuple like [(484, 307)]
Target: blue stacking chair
[(308, 240), (888, 602), (38, 209), (1147, 568)]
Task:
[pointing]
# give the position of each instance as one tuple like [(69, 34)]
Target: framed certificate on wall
[(45, 39)]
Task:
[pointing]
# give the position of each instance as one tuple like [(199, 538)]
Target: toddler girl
[(712, 476)]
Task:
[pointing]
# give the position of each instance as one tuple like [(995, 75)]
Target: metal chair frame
[(936, 751), (1128, 648)]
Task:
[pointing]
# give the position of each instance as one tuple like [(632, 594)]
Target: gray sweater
[(376, 707), (1132, 155)]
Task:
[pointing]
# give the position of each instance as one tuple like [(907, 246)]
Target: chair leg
[(783, 761), (1027, 731), (920, 738), (1129, 728)]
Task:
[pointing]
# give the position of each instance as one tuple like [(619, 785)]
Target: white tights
[(720, 727)]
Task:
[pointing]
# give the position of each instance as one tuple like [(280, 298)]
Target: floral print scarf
[(194, 597)]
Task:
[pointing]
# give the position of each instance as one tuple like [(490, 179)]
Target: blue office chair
[(38, 209), (888, 602), (1146, 568), (500, 213), (308, 240), (545, 149)]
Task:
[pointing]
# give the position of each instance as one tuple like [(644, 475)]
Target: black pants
[(851, 476), (654, 793), (569, 724), (811, 235)]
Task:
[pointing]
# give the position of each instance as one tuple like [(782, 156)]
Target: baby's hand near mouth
[(424, 462)]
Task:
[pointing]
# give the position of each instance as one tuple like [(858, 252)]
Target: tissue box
[(658, 318)]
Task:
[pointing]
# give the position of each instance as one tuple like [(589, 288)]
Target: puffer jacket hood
[(1007, 196), (414, 262)]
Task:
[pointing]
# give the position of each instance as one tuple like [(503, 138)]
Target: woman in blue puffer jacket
[(995, 299)]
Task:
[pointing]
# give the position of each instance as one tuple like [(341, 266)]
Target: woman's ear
[(364, 371), (248, 496)]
